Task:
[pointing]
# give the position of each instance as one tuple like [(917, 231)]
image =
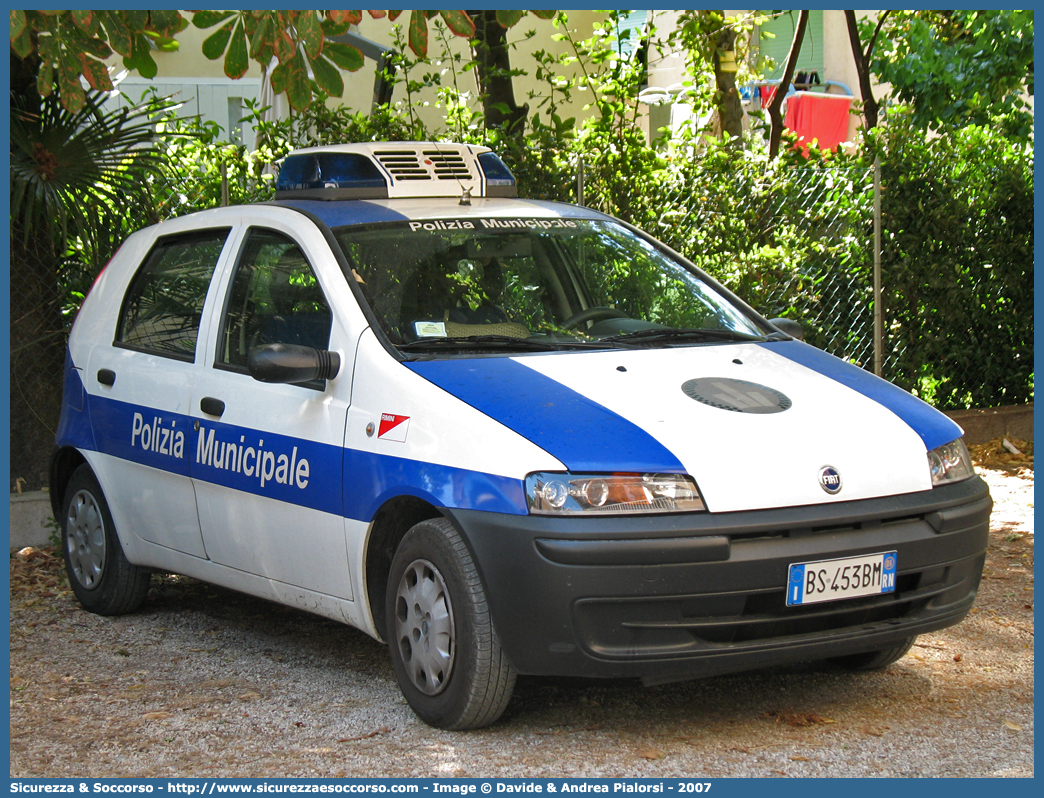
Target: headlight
[(618, 494), (950, 463)]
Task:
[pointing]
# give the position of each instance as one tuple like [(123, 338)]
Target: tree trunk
[(37, 356), (37, 330), (775, 114), (862, 63), (730, 109), (493, 61)]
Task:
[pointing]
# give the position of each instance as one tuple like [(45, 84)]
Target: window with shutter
[(776, 46)]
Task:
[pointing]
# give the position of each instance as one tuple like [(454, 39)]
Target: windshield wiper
[(496, 342), (683, 334)]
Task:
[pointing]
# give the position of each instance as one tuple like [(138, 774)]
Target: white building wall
[(213, 99)]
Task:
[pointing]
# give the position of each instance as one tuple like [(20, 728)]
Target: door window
[(275, 298), (164, 304)]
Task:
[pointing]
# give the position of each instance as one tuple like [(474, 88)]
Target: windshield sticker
[(493, 224), (546, 224), (430, 329), (442, 225), (393, 427)]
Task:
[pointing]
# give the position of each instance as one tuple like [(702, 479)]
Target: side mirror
[(790, 327), (290, 363)]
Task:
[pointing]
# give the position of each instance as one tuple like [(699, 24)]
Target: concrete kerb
[(981, 426), (31, 521)]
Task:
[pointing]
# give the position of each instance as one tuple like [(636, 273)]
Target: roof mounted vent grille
[(424, 165), (449, 165)]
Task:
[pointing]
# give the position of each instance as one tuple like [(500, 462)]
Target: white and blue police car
[(504, 436)]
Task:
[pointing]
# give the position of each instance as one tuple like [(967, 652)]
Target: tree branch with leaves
[(776, 104), (64, 46)]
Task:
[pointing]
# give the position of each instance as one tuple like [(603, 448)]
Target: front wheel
[(444, 649), (101, 577)]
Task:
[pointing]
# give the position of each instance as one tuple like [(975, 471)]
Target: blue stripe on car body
[(74, 424), (578, 431), (361, 212), (371, 479), (934, 428), (344, 482)]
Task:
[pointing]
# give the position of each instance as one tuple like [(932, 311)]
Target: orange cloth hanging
[(823, 117)]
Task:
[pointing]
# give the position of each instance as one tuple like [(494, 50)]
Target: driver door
[(268, 459)]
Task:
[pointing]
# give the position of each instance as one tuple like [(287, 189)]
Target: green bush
[(958, 263)]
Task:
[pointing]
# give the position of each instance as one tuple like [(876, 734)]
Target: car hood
[(755, 424)]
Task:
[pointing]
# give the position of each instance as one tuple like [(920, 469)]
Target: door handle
[(211, 406), (107, 377)]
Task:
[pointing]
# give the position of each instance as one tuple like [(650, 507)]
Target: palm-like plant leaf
[(64, 164)]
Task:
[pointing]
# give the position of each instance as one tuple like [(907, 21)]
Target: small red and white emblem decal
[(393, 427)]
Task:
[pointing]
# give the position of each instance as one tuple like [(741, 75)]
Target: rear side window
[(275, 299), (164, 304)]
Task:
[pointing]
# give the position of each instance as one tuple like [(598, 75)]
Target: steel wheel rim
[(85, 539), (424, 630)]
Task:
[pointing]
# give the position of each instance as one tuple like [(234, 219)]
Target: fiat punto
[(503, 436)]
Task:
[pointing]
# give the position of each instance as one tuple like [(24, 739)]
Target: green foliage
[(71, 44), (699, 34), (71, 171), (297, 40), (958, 262), (958, 68)]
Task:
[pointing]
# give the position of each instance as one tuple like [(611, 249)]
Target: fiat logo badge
[(830, 480)]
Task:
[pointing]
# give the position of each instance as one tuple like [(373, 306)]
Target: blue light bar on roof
[(499, 180), (330, 176)]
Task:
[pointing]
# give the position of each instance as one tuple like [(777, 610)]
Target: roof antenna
[(465, 198)]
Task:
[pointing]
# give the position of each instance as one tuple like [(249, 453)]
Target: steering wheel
[(590, 315)]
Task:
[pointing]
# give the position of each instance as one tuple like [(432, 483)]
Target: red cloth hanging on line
[(823, 117)]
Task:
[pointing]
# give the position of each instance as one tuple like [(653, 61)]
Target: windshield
[(531, 284)]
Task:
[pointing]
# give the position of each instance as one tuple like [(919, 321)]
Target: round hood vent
[(739, 396)]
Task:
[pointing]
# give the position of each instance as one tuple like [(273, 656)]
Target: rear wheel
[(444, 649), (101, 577), (875, 660)]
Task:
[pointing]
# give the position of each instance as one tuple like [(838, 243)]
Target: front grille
[(797, 531)]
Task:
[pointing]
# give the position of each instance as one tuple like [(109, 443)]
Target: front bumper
[(678, 597)]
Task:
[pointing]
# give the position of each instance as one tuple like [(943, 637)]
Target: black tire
[(875, 660), (101, 577), (444, 649)]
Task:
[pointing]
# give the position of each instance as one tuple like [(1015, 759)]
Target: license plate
[(848, 577)]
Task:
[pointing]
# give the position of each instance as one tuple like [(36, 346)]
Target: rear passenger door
[(267, 459), (140, 387)]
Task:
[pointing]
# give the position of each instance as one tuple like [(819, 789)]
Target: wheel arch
[(64, 461), (389, 526)]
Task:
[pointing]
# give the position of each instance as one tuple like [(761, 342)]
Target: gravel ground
[(203, 682)]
